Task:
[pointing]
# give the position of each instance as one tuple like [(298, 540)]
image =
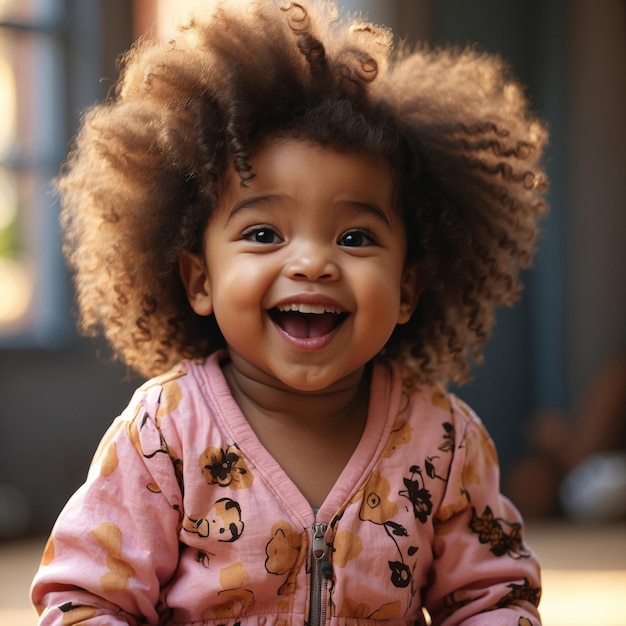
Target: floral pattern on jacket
[(186, 519)]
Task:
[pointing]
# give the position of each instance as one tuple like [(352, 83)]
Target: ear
[(195, 278), (410, 291)]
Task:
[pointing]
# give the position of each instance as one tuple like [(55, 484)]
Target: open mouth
[(306, 321)]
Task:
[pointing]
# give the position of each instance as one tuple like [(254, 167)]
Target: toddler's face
[(304, 268)]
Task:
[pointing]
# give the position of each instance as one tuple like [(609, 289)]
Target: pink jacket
[(186, 519)]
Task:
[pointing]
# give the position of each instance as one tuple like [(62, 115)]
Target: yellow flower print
[(225, 468), (470, 475), (237, 598), (233, 577), (400, 435), (391, 610), (346, 546), (488, 447), (463, 407), (358, 610), (170, 398), (446, 512), (411, 384), (133, 435), (285, 554), (410, 388), (376, 507), (48, 553), (109, 536), (102, 455), (176, 372), (441, 400), (478, 466), (282, 549), (354, 609), (108, 463)]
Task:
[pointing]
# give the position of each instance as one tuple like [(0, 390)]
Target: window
[(32, 141)]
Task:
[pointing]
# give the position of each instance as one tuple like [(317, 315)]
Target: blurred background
[(59, 392)]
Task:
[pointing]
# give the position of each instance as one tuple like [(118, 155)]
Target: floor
[(584, 575)]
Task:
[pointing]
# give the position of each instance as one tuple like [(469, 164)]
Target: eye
[(356, 239), (261, 234)]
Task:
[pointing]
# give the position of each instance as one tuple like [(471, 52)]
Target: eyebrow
[(249, 203), (367, 208)]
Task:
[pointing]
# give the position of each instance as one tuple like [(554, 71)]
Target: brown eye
[(262, 234), (356, 239)]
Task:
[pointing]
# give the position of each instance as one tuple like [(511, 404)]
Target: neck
[(312, 435), (261, 397)]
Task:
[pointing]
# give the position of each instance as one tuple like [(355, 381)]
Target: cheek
[(378, 300), (380, 287), (238, 285)]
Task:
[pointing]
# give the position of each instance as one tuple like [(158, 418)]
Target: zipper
[(319, 555)]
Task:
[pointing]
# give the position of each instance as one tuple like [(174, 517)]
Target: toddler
[(300, 237)]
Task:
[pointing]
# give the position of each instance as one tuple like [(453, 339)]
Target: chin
[(308, 383)]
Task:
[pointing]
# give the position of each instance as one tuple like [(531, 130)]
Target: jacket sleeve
[(115, 544), (483, 573)]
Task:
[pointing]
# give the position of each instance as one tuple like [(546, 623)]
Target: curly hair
[(144, 174)]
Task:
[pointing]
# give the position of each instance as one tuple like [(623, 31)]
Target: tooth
[(315, 309)]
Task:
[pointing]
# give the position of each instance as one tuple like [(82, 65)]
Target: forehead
[(305, 171)]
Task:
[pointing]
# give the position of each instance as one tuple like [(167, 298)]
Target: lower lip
[(309, 344)]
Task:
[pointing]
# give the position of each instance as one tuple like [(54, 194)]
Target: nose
[(312, 262)]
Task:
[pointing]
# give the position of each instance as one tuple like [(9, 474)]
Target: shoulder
[(418, 393), (434, 409), (417, 388), (185, 383), (166, 404), (185, 373)]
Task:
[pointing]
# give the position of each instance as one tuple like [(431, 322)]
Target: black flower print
[(225, 467), (400, 574), (162, 448), (377, 508), (431, 470), (417, 494), (448, 438), (491, 530), (521, 593), (203, 557), (452, 603)]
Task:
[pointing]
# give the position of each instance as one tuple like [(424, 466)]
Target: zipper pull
[(319, 548)]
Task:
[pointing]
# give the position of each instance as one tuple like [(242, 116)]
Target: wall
[(596, 161)]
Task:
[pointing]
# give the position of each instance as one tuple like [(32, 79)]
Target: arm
[(483, 572), (115, 544)]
